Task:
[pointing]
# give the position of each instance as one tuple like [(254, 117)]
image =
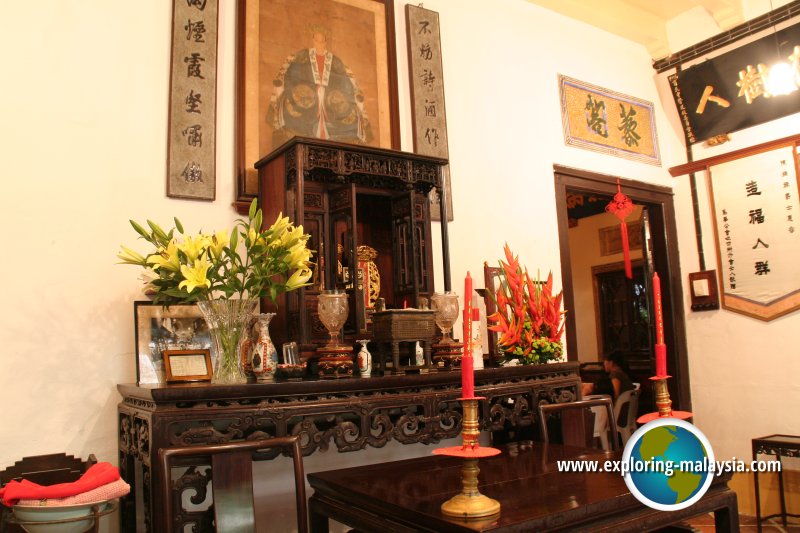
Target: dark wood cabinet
[(368, 214)]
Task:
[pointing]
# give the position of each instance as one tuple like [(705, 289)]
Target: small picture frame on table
[(187, 365), (159, 329)]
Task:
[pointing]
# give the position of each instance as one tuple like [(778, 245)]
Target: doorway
[(660, 240)]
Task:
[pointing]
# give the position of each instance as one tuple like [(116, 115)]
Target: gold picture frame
[(602, 120), (187, 365), (281, 92)]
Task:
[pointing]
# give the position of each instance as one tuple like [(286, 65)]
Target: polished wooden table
[(406, 496)]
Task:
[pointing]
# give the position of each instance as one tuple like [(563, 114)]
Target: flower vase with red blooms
[(529, 320)]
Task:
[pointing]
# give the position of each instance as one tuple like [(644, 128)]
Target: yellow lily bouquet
[(209, 266)]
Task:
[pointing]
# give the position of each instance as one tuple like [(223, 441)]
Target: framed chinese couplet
[(605, 121), (757, 228), (427, 94), (191, 171)]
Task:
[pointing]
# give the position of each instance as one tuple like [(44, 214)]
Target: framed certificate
[(187, 365)]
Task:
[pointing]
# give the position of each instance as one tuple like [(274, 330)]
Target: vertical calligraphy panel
[(427, 93), (191, 171), (756, 210)]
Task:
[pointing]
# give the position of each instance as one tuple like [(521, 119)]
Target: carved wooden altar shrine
[(368, 214), (351, 414)]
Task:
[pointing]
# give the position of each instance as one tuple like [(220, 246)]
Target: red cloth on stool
[(97, 475)]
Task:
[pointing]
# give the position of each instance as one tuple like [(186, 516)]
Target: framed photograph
[(187, 365), (160, 329), (325, 69)]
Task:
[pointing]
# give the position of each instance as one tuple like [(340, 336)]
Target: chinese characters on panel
[(193, 100), (427, 84), (601, 120), (730, 92), (427, 92), (756, 208)]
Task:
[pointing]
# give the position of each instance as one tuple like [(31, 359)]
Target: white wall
[(84, 109), (84, 148)]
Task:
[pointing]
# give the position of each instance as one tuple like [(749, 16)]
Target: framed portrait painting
[(163, 330), (324, 69)]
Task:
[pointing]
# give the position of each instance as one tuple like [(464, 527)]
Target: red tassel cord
[(621, 206), (626, 250)]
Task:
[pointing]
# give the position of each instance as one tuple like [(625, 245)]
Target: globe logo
[(668, 464)]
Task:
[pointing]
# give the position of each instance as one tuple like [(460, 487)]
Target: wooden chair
[(43, 470), (625, 409), (576, 421), (232, 481), (491, 277)]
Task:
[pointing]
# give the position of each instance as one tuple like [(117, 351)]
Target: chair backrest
[(625, 409), (572, 419), (232, 481)]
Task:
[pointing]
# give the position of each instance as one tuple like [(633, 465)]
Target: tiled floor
[(703, 524)]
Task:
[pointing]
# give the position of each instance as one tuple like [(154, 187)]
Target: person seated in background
[(617, 381)]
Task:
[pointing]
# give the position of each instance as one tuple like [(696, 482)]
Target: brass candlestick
[(663, 403), (663, 400), (470, 503)]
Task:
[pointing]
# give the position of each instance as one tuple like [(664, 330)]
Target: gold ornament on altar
[(369, 270)]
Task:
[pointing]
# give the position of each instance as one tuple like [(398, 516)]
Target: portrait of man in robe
[(316, 95), (324, 69)]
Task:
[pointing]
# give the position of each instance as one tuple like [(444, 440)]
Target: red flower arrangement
[(529, 318)]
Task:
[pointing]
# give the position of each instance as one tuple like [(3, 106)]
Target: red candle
[(467, 374), (659, 312), (661, 360), (661, 348)]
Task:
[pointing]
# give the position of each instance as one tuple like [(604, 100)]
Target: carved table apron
[(351, 413)]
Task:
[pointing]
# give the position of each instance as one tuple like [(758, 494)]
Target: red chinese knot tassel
[(621, 206), (626, 251)]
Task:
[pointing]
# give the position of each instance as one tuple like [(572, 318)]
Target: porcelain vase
[(263, 359), (364, 359)]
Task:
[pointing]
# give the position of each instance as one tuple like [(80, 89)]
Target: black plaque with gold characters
[(730, 92)]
